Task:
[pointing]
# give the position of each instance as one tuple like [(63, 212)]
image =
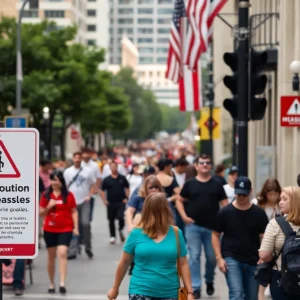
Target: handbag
[(182, 291)]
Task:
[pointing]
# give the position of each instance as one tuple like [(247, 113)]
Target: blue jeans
[(195, 237), (19, 274), (240, 280), (179, 223)]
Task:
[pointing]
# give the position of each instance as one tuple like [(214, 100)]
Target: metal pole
[(19, 70), (242, 109), (234, 123), (1, 280), (211, 101)]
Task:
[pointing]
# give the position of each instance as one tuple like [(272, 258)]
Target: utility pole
[(207, 145), (242, 104), (211, 100)]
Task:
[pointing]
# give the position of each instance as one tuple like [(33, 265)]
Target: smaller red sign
[(290, 111), (74, 134), (214, 124)]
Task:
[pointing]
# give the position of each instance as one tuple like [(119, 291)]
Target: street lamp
[(295, 69), (33, 4), (46, 116)]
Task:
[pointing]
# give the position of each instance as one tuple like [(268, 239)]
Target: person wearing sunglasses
[(58, 206), (242, 225), (135, 205), (203, 196)]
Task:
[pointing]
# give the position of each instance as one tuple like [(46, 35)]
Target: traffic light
[(231, 82), (258, 83), (33, 4)]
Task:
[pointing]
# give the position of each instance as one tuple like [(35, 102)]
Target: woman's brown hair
[(156, 215), (151, 179), (270, 185), (294, 215)]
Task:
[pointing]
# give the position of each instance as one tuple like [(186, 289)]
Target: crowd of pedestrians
[(174, 205)]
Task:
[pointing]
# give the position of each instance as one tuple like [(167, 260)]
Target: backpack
[(290, 258)]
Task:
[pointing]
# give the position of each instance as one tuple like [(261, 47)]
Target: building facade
[(63, 12), (147, 25), (273, 150), (97, 18)]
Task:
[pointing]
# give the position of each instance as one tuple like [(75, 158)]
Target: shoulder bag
[(182, 291)]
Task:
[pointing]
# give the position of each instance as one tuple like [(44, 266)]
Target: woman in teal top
[(153, 246)]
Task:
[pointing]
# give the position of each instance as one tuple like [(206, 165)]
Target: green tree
[(59, 74), (173, 119)]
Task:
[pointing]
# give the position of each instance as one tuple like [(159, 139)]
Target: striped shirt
[(274, 239)]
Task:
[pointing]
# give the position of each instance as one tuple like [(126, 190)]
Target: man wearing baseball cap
[(229, 188), (242, 224)]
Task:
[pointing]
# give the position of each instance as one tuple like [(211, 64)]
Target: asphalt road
[(91, 279)]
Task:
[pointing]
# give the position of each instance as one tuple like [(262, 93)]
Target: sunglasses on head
[(202, 163), (153, 187)]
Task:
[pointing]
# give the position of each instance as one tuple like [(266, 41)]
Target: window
[(125, 30), (145, 21), (145, 11), (146, 50), (145, 40), (125, 10), (164, 1), (30, 14), (125, 21), (164, 30), (146, 60), (162, 40), (145, 30), (54, 13), (165, 11), (91, 12), (91, 42), (145, 1), (125, 1), (91, 28), (162, 50), (163, 21), (161, 60)]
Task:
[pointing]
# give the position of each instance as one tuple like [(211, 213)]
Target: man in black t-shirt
[(242, 224), (116, 187), (203, 196)]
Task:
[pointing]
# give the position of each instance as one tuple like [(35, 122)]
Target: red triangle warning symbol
[(8, 168)]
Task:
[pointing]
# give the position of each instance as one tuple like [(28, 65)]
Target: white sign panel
[(265, 165), (19, 192)]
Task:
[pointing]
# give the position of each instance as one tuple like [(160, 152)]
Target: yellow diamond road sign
[(204, 123)]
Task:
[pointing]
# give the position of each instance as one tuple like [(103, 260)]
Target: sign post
[(290, 111), (204, 121), (19, 193)]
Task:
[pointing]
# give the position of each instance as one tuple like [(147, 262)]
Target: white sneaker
[(112, 240)]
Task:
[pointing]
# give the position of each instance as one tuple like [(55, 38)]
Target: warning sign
[(8, 168), (290, 111), (19, 178)]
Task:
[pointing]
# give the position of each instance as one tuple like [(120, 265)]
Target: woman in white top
[(273, 239), (268, 199), (134, 178)]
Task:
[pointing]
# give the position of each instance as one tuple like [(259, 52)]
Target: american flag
[(189, 81), (201, 14)]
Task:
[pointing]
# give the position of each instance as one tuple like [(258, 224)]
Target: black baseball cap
[(149, 170), (242, 186), (233, 169)]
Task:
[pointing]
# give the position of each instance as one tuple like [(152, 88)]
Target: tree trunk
[(63, 138)]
